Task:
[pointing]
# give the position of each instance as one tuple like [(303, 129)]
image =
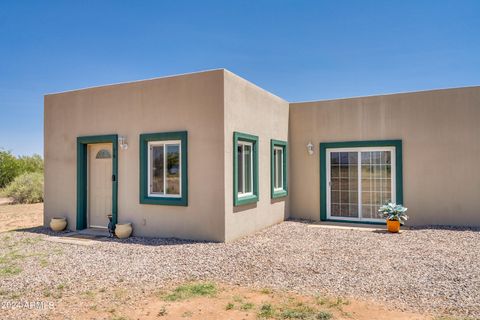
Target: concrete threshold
[(86, 237), (349, 226)]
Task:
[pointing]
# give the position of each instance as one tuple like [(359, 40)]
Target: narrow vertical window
[(245, 168), (278, 168)]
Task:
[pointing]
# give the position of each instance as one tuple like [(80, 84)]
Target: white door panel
[(99, 184)]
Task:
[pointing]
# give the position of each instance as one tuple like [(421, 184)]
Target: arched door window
[(103, 154)]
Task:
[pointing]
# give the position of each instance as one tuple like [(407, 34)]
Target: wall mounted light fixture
[(310, 148), (122, 141)]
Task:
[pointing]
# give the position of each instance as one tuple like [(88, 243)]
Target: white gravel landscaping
[(426, 270)]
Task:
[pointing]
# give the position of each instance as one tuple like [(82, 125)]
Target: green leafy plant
[(192, 290), (266, 311), (393, 212), (247, 306), (26, 188)]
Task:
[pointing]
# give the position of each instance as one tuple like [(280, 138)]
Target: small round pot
[(123, 230), (393, 226), (58, 224)]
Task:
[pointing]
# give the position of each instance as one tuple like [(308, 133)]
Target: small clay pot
[(123, 230), (58, 224)]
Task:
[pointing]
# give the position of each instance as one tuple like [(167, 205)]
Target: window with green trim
[(245, 164), (278, 166), (163, 168)]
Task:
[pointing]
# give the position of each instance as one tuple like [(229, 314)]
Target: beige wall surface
[(252, 110), (192, 102), (440, 131)]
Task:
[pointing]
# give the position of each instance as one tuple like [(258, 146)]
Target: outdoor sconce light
[(310, 148), (122, 141)]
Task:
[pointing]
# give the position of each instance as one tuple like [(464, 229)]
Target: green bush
[(30, 163), (26, 188), (11, 166)]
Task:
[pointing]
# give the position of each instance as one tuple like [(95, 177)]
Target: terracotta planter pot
[(124, 230), (393, 226), (58, 224)]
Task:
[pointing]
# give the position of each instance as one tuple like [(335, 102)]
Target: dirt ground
[(20, 216), (239, 303)]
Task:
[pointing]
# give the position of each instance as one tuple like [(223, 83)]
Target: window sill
[(245, 200), (279, 194), (166, 201)]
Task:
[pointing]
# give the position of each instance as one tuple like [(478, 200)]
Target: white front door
[(359, 181), (99, 184)]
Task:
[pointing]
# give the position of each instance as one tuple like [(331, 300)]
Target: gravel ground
[(426, 270)]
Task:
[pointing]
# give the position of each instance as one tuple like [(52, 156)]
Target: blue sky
[(299, 50)]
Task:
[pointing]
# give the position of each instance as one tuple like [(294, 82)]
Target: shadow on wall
[(244, 207)]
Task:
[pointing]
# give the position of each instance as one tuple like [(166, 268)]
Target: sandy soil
[(20, 216), (245, 304)]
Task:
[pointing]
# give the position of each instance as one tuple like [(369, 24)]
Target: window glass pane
[(376, 182), (275, 168), (335, 158), (240, 168), (156, 169), (278, 168), (344, 184), (173, 169), (248, 168)]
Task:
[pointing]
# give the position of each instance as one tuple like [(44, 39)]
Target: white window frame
[(164, 143), (275, 177), (241, 193), (359, 150)]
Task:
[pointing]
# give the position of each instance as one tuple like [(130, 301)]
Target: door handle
[(113, 178)]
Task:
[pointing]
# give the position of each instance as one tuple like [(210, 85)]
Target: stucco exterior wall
[(440, 131), (192, 102), (252, 110)]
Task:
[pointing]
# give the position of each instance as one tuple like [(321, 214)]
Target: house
[(211, 156)]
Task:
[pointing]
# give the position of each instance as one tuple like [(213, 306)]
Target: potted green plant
[(394, 214)]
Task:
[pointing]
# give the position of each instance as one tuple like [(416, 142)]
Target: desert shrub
[(26, 188), (9, 168), (30, 163)]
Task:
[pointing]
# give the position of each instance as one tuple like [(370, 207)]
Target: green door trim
[(358, 144), (82, 192)]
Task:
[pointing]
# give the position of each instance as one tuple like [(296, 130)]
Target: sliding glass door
[(359, 181)]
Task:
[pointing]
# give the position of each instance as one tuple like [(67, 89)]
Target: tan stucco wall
[(250, 109), (441, 149), (192, 102)]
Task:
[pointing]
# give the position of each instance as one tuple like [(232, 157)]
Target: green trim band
[(397, 144), (237, 136), (281, 193), (82, 192), (163, 136)]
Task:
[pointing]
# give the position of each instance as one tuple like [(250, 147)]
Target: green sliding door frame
[(82, 171), (397, 144)]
